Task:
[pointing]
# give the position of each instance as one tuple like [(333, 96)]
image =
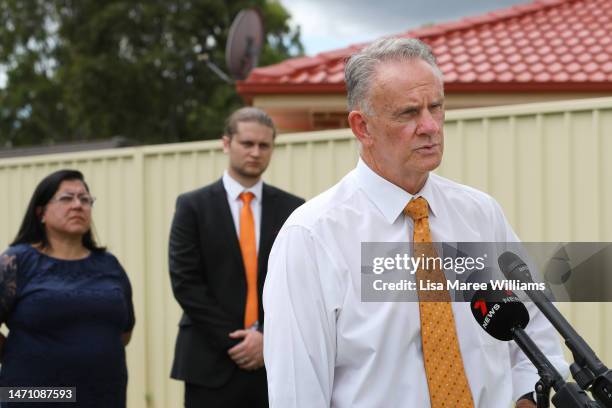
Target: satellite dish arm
[(214, 68)]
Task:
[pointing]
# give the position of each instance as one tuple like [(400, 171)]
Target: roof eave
[(249, 90)]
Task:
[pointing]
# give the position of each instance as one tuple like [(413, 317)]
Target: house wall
[(300, 113)]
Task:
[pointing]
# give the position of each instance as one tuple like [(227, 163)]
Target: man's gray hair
[(361, 66), (247, 114)]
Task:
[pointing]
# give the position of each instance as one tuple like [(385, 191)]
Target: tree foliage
[(91, 69)]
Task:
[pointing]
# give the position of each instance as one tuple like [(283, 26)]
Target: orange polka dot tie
[(446, 379)]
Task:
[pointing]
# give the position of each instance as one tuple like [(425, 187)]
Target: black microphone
[(588, 370), (499, 312), (504, 316)]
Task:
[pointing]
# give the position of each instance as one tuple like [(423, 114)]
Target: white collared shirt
[(324, 347), (233, 190)]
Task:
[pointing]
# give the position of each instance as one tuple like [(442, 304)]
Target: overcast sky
[(332, 24)]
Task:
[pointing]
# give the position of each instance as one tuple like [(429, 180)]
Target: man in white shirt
[(323, 345)]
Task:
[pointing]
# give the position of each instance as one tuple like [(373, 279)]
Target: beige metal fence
[(547, 164)]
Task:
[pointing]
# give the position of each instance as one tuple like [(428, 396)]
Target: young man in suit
[(220, 240)]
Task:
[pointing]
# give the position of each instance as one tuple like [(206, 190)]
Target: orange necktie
[(446, 379), (248, 247)]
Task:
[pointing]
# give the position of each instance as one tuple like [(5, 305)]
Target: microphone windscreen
[(513, 267), (558, 269), (508, 261), (498, 312)]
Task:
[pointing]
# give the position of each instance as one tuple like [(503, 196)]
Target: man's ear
[(359, 125), (226, 143)]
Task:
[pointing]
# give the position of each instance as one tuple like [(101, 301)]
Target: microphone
[(504, 316), (588, 371), (514, 268), (558, 270), (499, 313)]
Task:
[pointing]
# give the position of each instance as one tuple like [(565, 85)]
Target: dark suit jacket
[(208, 278)]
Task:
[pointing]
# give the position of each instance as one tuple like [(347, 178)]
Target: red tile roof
[(547, 45)]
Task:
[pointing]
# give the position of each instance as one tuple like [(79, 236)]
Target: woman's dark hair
[(32, 230)]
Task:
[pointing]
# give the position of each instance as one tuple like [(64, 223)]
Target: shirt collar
[(234, 188), (389, 198)]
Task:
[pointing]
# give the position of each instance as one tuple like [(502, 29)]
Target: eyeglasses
[(67, 199)]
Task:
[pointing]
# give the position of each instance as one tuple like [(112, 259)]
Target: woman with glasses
[(66, 301)]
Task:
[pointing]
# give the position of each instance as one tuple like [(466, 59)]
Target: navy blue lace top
[(65, 319)]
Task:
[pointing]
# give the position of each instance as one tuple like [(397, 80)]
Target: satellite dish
[(244, 42)]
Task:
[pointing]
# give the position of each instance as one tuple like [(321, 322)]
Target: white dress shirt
[(324, 347), (233, 190)]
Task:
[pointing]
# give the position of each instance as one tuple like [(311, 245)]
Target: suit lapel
[(227, 230)]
